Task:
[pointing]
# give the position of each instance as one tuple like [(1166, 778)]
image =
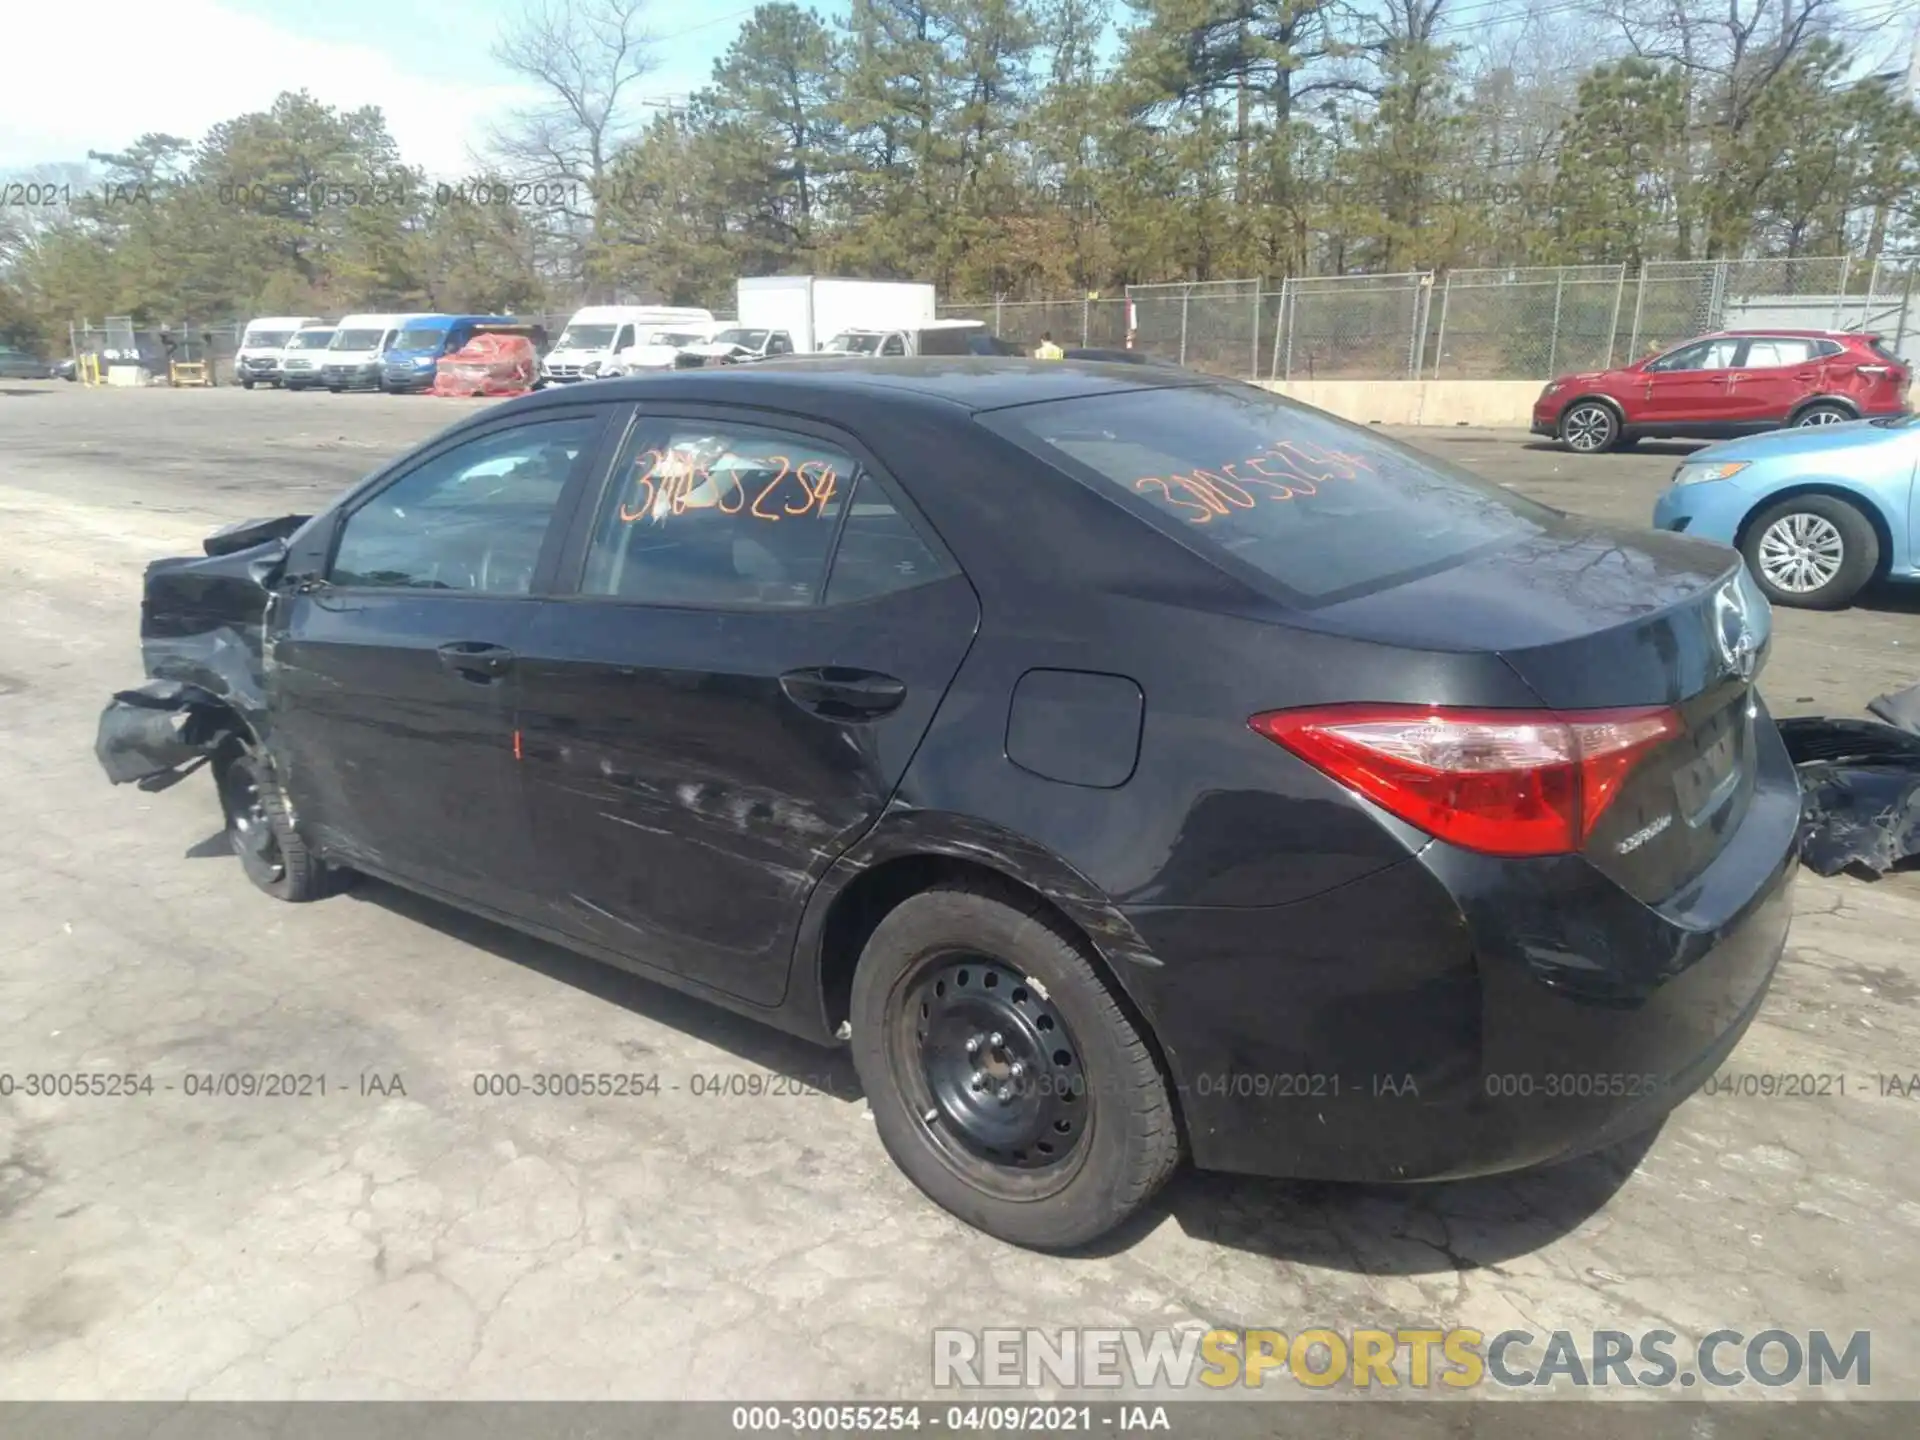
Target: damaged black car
[(1127, 765)]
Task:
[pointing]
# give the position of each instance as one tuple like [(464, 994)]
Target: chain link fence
[(1526, 323), (1535, 321), (1521, 323), (1091, 322)]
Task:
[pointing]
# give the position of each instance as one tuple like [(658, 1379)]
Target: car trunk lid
[(1598, 619)]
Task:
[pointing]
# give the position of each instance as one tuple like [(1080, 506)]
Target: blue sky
[(183, 65), (99, 73)]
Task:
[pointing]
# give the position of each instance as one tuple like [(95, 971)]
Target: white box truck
[(812, 309)]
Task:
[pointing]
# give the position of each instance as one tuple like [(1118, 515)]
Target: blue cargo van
[(415, 355)]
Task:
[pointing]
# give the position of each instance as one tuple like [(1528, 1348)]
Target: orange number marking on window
[(786, 469), (1201, 514), (629, 515), (818, 488)]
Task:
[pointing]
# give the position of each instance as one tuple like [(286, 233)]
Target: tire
[(1589, 427), (335, 389), (261, 831), (246, 384), (1821, 551), (1824, 412), (1089, 1135)]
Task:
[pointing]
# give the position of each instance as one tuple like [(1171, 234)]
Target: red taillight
[(1503, 782)]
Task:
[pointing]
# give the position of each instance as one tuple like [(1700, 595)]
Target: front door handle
[(835, 692), (476, 660)]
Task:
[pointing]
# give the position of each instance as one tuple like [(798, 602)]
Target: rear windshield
[(1322, 509)]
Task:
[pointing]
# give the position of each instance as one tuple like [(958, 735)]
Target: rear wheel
[(1824, 413), (1004, 1077), (1589, 428), (261, 831), (1813, 551)]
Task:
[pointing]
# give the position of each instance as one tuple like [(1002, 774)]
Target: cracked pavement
[(403, 1236)]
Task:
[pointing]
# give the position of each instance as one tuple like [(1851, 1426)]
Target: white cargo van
[(356, 357), (305, 356), (811, 309), (257, 362), (598, 333)]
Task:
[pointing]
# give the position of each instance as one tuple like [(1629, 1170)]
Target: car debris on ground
[(1860, 786)]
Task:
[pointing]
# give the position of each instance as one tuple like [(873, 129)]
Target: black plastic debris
[(148, 735), (1859, 786)]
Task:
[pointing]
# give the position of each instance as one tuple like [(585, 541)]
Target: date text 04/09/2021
[(1043, 1419)]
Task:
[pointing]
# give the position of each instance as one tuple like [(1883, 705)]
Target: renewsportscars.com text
[(1420, 1359)]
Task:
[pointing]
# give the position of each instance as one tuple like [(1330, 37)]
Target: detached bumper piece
[(159, 734), (1860, 787)]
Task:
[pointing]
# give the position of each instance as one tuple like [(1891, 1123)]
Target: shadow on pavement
[(1364, 1229), (829, 1071)]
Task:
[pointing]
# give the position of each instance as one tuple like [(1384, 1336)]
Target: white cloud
[(101, 75)]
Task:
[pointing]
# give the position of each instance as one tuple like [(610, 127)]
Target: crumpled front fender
[(161, 732)]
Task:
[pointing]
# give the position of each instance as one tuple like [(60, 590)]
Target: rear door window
[(879, 551), (1321, 510), (1774, 351)]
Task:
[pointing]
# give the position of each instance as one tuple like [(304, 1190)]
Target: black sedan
[(1126, 764)]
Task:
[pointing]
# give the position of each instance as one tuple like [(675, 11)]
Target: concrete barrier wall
[(1502, 404)]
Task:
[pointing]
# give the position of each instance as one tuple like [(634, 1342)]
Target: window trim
[(571, 566), (559, 522)]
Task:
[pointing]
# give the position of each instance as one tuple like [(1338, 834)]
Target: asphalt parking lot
[(404, 1237)]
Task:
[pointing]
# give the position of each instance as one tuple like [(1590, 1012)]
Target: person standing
[(1048, 350)]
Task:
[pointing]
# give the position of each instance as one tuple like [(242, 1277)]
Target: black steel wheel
[(261, 832), (1006, 1079), (994, 1068)]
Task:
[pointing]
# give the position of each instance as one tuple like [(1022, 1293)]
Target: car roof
[(1785, 333), (842, 385)]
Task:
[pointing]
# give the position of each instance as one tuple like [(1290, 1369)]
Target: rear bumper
[(1458, 1015)]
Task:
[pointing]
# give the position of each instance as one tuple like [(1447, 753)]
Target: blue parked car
[(1817, 512), (414, 358)]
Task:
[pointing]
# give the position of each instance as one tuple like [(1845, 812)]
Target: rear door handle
[(476, 660), (838, 693)]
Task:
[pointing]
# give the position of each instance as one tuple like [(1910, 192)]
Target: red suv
[(1732, 383)]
